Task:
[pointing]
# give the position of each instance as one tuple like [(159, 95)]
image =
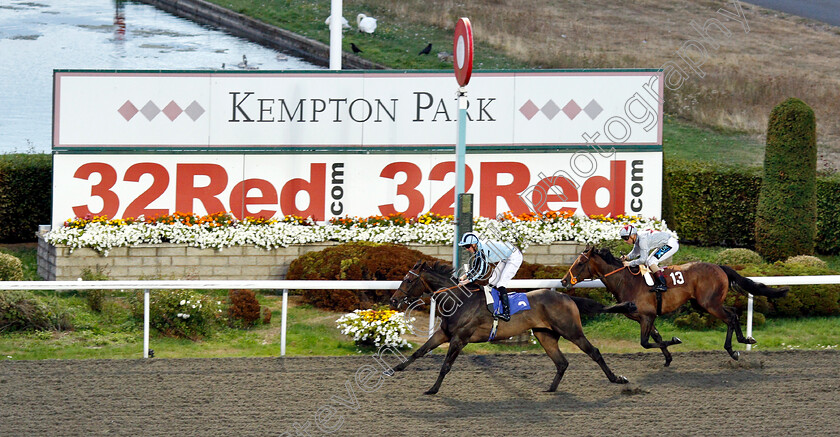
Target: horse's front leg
[(455, 346), (437, 339), (649, 330), (663, 345), (654, 333)]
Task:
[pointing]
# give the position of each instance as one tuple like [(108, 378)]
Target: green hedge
[(828, 215), (715, 205), (25, 195)]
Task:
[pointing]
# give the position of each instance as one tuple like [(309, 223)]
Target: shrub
[(803, 300), (806, 260), (787, 207), (11, 269), (244, 310), (178, 313), (713, 204), (265, 315), (734, 257), (828, 215), (716, 205), (354, 261), (95, 298), (24, 311), (25, 195)]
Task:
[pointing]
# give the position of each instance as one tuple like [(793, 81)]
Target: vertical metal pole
[(284, 313), (749, 318), (335, 34), (460, 169), (146, 323), (432, 318)]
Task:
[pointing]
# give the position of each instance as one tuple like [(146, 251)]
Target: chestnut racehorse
[(704, 283), (552, 315)]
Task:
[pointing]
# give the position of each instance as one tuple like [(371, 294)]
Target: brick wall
[(177, 261)]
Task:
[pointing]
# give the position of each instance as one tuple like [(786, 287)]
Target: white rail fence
[(287, 285)]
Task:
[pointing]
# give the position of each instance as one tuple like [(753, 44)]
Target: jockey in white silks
[(505, 256), (649, 248)]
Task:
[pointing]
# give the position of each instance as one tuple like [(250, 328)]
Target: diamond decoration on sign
[(172, 110), (128, 110), (571, 109), (592, 109), (150, 111), (550, 109), (529, 109), (194, 110)]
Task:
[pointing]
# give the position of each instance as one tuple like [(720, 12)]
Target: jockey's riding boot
[(661, 285), (503, 298)]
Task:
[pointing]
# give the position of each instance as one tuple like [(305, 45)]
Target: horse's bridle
[(429, 291), (574, 279)]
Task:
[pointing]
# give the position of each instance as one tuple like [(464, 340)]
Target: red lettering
[(445, 205), (543, 193), (490, 190), (110, 200), (239, 198), (614, 186), (316, 189), (160, 181), (186, 191), (408, 189)]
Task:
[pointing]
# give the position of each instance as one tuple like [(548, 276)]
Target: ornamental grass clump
[(11, 268), (376, 327), (179, 313), (738, 256)]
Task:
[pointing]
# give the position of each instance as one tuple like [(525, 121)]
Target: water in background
[(41, 35)]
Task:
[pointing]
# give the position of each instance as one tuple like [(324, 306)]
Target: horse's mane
[(441, 268), (607, 256)]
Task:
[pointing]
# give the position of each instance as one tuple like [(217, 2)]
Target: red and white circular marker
[(463, 51)]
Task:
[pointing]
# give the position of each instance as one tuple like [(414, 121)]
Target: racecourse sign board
[(358, 143)]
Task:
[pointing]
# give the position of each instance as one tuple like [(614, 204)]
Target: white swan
[(344, 23), (365, 23)]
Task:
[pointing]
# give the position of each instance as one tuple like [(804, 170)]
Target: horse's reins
[(429, 287), (574, 279)]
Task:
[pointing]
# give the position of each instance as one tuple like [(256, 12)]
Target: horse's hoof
[(735, 355), (621, 380), (751, 340), (430, 392), (551, 390), (667, 362), (676, 340)]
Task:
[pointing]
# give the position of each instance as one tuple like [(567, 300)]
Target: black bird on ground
[(427, 50), (355, 49)]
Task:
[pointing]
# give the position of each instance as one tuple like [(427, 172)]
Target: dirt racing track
[(702, 393)]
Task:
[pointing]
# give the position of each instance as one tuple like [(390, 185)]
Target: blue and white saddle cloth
[(518, 302)]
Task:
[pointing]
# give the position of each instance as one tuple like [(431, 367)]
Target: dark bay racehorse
[(552, 315), (705, 283)]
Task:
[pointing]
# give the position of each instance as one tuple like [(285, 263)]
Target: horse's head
[(580, 270), (413, 286)]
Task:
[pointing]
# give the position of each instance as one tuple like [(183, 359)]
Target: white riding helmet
[(468, 239), (627, 231)]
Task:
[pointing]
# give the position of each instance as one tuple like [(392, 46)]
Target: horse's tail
[(589, 306), (745, 285)]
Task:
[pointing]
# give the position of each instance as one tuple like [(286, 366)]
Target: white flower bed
[(102, 236)]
